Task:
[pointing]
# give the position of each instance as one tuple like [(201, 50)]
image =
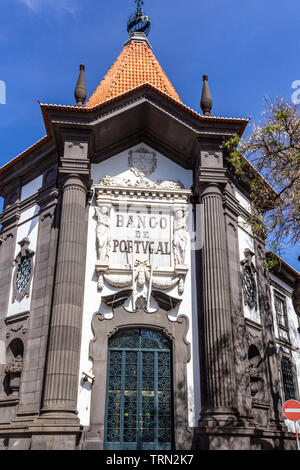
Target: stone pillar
[(9, 226), (216, 321), (42, 290), (243, 399), (61, 383)]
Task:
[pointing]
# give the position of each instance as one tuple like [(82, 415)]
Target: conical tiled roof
[(135, 66)]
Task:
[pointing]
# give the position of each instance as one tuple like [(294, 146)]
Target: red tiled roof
[(136, 65)]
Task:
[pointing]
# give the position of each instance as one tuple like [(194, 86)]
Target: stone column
[(217, 329), (9, 226), (215, 324), (42, 290), (60, 396)]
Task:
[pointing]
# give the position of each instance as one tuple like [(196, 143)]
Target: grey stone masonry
[(216, 322), (9, 220), (65, 332), (36, 347)]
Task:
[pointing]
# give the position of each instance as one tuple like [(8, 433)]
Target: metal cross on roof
[(138, 22)]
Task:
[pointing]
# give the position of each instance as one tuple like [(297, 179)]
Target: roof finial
[(206, 100), (80, 90), (138, 22)]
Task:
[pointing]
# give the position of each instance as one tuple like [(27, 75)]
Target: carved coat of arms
[(142, 160)]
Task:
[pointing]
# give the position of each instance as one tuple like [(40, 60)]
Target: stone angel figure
[(180, 236), (103, 233)]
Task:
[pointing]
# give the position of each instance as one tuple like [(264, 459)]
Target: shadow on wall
[(13, 370)]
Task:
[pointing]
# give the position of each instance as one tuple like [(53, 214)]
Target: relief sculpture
[(103, 233), (180, 236)]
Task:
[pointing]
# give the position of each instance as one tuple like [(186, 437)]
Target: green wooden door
[(139, 391)]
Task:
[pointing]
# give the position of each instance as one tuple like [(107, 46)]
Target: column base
[(57, 415), (221, 417)]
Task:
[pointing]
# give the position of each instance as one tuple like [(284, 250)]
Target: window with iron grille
[(280, 310), (288, 379)]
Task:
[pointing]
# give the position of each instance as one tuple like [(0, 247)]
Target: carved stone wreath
[(23, 271)]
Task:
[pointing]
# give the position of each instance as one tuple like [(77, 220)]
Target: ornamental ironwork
[(249, 286), (288, 379), (23, 275), (138, 22), (138, 397), (23, 271)]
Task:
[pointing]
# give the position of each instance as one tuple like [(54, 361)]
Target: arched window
[(288, 379)]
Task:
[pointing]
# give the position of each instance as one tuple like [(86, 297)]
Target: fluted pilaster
[(65, 333), (217, 330)]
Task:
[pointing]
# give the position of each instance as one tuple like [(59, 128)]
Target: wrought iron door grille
[(288, 380), (139, 392)]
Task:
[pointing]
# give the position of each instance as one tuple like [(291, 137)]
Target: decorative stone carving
[(212, 159), (141, 182), (142, 160), (14, 371), (180, 236), (23, 271), (248, 279), (103, 233), (162, 280), (167, 197), (141, 303), (118, 280), (255, 377)]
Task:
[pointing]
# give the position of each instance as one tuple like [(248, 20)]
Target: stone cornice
[(142, 195), (209, 176)]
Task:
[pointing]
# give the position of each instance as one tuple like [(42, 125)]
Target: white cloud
[(58, 5)]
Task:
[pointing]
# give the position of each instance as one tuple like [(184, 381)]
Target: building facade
[(136, 312)]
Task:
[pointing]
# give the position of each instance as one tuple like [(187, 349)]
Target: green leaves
[(273, 148)]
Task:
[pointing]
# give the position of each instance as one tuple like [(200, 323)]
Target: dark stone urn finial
[(80, 90), (206, 100)]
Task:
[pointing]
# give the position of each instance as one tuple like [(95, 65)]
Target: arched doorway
[(138, 412)]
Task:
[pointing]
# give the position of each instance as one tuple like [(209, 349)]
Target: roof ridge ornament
[(80, 89), (138, 22), (206, 99)]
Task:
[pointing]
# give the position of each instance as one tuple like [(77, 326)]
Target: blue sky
[(250, 49)]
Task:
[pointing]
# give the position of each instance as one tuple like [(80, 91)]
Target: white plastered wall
[(246, 241), (27, 227), (166, 170)]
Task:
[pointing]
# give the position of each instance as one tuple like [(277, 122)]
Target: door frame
[(140, 351), (176, 331)]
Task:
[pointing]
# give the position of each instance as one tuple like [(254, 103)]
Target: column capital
[(75, 158), (75, 181), (209, 178)]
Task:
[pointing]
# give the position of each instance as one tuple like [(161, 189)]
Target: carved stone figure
[(14, 371), (103, 233), (180, 236)]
